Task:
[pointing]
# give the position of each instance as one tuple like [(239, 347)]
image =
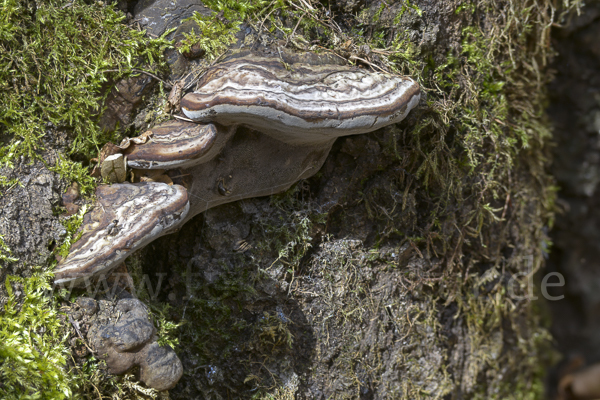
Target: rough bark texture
[(28, 220)]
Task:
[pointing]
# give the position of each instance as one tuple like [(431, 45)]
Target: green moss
[(378, 12), (218, 30), (166, 329), (72, 225), (5, 182), (55, 58), (292, 232), (407, 5), (32, 349), (74, 171), (5, 253)]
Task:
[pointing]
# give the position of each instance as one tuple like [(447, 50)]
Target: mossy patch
[(5, 253), (218, 30), (32, 347), (72, 225), (55, 60)]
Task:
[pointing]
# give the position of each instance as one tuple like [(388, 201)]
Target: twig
[(409, 323), (316, 18), (506, 203), (262, 23), (185, 78), (294, 31), (353, 57), (75, 325), (307, 5), (412, 244), (183, 118)]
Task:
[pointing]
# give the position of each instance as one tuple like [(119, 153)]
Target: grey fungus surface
[(300, 103), (124, 336), (126, 218)]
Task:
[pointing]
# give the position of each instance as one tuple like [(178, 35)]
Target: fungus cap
[(128, 217), (174, 144), (300, 103)]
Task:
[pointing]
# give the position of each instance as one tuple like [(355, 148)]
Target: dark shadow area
[(241, 332), (575, 113)]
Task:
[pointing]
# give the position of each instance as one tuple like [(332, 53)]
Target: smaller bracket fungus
[(300, 103), (127, 217), (174, 144)]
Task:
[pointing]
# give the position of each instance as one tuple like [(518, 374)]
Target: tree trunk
[(403, 269)]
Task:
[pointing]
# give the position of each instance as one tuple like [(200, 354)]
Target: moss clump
[(54, 60), (217, 31), (292, 232), (74, 171), (71, 225), (32, 346)]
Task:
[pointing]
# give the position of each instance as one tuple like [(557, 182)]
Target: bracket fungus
[(300, 103), (174, 145), (127, 217), (296, 111)]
